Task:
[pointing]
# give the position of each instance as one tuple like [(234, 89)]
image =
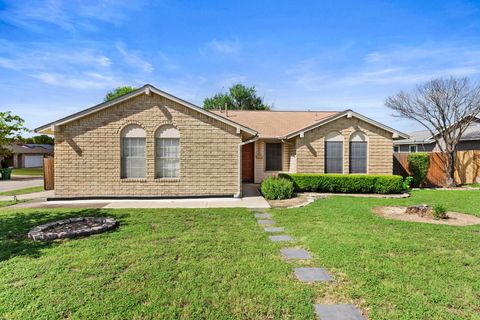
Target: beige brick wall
[(310, 149), (87, 152)]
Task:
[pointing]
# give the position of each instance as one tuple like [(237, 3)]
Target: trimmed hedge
[(277, 188), (351, 183), (418, 164)]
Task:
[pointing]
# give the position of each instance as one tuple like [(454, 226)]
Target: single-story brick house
[(27, 155), (149, 143)]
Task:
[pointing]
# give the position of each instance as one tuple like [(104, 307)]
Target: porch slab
[(295, 254), (337, 312), (312, 274), (280, 238)]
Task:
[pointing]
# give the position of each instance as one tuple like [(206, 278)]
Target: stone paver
[(295, 253), (266, 222), (282, 237), (273, 229), (312, 274), (337, 312), (263, 215)]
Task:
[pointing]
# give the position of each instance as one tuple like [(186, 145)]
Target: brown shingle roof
[(274, 124)]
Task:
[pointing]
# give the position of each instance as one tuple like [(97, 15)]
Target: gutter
[(239, 163)]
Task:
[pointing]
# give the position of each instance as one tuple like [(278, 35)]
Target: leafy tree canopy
[(41, 139), (239, 97), (118, 92), (10, 128)]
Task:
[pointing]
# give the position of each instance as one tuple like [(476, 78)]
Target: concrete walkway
[(20, 182), (252, 199)]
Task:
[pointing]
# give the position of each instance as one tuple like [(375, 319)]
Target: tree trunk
[(450, 172)]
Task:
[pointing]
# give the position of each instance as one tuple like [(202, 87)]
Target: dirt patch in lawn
[(454, 218), (299, 200)]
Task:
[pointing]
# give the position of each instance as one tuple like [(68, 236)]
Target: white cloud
[(225, 46), (80, 81), (133, 58)]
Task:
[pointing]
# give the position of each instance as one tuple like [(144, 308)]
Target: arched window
[(133, 152), (167, 154), (334, 153), (358, 153)]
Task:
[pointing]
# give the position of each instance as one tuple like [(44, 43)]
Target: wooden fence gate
[(467, 167), (48, 173)]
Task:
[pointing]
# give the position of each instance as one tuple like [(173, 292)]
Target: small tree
[(418, 164), (239, 97), (10, 128), (445, 107), (118, 92)]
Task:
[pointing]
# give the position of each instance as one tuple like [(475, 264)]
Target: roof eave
[(147, 89)]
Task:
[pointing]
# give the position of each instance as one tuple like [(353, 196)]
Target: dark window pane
[(273, 156), (358, 157), (333, 157)]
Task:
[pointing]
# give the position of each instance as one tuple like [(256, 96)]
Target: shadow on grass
[(14, 229)]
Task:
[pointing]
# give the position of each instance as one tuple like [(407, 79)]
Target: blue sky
[(58, 57)]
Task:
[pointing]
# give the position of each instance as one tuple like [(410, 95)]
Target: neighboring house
[(28, 155), (423, 141), (149, 143)]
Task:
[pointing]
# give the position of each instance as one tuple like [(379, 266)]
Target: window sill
[(167, 180), (133, 180)]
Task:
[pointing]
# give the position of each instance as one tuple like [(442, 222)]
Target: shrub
[(352, 183), (418, 164), (407, 183), (277, 188), (439, 212)]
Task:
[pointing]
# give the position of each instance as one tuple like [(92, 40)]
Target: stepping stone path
[(337, 312), (282, 237), (295, 253), (308, 274), (263, 216), (273, 229), (312, 274), (266, 222)]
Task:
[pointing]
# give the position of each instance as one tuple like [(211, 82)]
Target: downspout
[(239, 163)]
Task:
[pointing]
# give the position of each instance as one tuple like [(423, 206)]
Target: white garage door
[(33, 161)]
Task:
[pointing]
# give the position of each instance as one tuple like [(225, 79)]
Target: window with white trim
[(358, 153), (167, 152), (334, 153), (396, 149), (133, 161), (413, 148)]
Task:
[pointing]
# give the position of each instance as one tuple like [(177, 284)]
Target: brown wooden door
[(247, 162)]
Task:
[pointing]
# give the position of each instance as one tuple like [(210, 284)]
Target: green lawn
[(21, 191), (393, 269), (6, 204), (28, 171), (160, 264), (219, 264)]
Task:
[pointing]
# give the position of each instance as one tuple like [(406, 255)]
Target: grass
[(393, 269), (28, 171), (219, 264), (22, 191), (160, 264), (6, 203), (473, 185)]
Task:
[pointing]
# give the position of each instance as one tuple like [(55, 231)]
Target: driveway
[(19, 182)]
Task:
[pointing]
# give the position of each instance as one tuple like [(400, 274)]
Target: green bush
[(351, 183), (407, 183), (439, 212), (418, 164), (277, 188)]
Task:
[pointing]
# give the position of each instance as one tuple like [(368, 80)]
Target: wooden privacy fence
[(48, 173), (467, 167)]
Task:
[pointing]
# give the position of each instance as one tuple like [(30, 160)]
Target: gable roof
[(425, 137), (146, 89), (288, 124), (275, 124), (31, 148)]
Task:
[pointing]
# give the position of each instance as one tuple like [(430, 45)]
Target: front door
[(247, 162)]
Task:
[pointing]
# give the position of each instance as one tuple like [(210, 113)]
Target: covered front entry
[(248, 151)]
